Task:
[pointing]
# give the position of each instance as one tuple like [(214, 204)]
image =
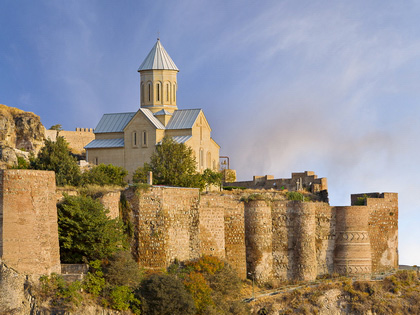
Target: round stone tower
[(352, 246)]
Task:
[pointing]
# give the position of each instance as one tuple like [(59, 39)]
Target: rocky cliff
[(21, 133)]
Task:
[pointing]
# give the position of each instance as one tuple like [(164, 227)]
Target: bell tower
[(158, 83)]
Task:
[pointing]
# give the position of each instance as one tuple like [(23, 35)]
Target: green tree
[(55, 156), (165, 295), (57, 127), (86, 233), (174, 164), (105, 175)]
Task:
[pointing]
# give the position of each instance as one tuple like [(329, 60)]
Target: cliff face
[(21, 133)]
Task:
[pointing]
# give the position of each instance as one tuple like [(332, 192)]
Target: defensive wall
[(28, 221), (269, 239), (305, 180), (266, 237), (77, 139)]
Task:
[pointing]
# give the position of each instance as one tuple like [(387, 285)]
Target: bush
[(85, 231), (296, 196), (55, 156), (165, 294), (105, 175), (60, 293), (94, 282), (122, 270)]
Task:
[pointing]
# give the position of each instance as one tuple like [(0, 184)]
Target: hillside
[(396, 294), (21, 133)]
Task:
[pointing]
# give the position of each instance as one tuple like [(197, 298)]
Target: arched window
[(201, 158), (208, 160), (214, 165), (134, 139), (168, 87), (158, 92), (174, 93), (149, 86), (142, 93)]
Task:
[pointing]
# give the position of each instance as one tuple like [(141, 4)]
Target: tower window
[(158, 92), (149, 85), (142, 93), (167, 92)]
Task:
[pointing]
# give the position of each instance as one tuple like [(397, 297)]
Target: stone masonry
[(271, 240), (28, 221)]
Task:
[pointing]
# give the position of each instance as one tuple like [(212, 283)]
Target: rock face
[(20, 132)]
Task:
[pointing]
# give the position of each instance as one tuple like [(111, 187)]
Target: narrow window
[(144, 139), (208, 160), (135, 139), (150, 91), (158, 92), (201, 158), (167, 92), (96, 161), (142, 93), (174, 93)]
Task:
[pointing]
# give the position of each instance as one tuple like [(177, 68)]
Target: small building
[(129, 139)]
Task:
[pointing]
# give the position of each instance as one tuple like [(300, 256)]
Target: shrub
[(105, 175), (94, 281), (296, 196), (62, 294), (55, 156), (122, 270), (85, 231), (165, 294), (120, 298)]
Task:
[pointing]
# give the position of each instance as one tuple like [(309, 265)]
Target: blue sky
[(287, 86)]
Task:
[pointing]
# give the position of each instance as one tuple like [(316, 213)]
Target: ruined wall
[(325, 224), (111, 201), (222, 229), (383, 229), (78, 139), (28, 221), (166, 225), (308, 180)]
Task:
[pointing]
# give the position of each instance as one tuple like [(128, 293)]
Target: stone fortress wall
[(304, 180), (77, 139), (271, 239)]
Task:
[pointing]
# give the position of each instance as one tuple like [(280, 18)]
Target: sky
[(287, 86)]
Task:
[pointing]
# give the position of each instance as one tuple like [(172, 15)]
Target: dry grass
[(396, 294)]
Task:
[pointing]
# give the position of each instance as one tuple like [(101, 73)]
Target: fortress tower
[(158, 83)]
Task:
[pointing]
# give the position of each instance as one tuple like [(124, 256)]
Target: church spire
[(158, 82), (158, 59)]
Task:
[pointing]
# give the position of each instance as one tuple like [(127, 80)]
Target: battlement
[(299, 181)]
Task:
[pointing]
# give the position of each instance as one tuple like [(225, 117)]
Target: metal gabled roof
[(162, 112), (179, 139), (114, 122), (183, 119), (105, 143), (156, 122), (158, 59)]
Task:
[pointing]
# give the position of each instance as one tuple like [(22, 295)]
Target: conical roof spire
[(158, 59)]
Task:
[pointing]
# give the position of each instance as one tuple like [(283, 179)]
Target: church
[(129, 139)]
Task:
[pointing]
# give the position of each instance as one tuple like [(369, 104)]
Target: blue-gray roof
[(179, 139), (162, 112), (156, 122), (105, 143), (114, 122), (183, 119), (157, 59)]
